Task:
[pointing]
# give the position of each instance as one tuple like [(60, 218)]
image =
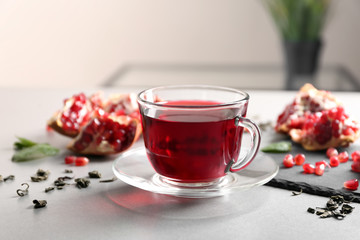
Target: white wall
[(81, 42)]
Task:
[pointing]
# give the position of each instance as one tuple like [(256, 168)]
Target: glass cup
[(193, 133)]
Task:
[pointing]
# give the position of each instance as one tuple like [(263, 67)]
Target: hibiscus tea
[(190, 144)]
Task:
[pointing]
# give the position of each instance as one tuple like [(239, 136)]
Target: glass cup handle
[(255, 134)]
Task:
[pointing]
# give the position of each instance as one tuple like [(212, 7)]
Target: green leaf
[(34, 152), (278, 147), (23, 143)]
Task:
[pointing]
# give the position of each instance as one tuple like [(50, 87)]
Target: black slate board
[(289, 178)]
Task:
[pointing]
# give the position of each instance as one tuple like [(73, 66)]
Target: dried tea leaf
[(39, 203), (338, 199), (278, 147), (297, 193), (82, 182), (41, 175), (59, 183), (10, 177), (332, 205), (332, 208), (23, 192), (49, 189), (108, 180), (311, 210), (94, 174), (346, 209), (327, 214)]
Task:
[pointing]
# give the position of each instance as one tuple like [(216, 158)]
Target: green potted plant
[(300, 23)]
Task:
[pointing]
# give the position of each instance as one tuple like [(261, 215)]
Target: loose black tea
[(39, 203), (336, 207), (49, 189), (346, 208), (94, 174), (108, 180), (82, 182), (10, 177), (64, 178), (297, 193), (59, 183), (68, 171), (311, 210), (23, 192), (41, 175)]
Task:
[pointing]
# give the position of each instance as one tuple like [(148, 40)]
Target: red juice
[(192, 145)]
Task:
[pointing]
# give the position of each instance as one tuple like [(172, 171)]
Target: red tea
[(192, 145)]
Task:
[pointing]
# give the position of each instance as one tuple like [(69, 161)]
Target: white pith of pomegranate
[(107, 134)]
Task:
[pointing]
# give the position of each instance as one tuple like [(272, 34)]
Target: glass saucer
[(134, 168)]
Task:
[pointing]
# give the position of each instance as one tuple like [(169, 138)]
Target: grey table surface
[(118, 211)]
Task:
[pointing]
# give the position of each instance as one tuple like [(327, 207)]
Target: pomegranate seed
[(319, 169), (355, 156), (331, 152), (70, 159), (288, 161), (81, 161), (348, 132), (299, 159), (325, 163), (343, 157), (308, 168), (352, 184), (355, 167), (334, 161)]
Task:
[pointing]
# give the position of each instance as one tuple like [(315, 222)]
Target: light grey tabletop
[(118, 211)]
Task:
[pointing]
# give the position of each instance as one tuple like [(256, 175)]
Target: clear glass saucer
[(133, 168)]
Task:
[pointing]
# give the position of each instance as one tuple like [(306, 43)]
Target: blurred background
[(79, 43)]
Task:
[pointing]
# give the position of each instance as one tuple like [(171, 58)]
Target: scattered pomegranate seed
[(355, 156), (299, 159), (334, 161), (308, 168), (70, 159), (319, 169), (323, 162), (348, 132), (343, 157), (352, 184), (288, 161), (331, 152), (355, 167), (81, 161)]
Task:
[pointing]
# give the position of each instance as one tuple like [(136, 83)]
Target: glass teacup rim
[(245, 97)]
